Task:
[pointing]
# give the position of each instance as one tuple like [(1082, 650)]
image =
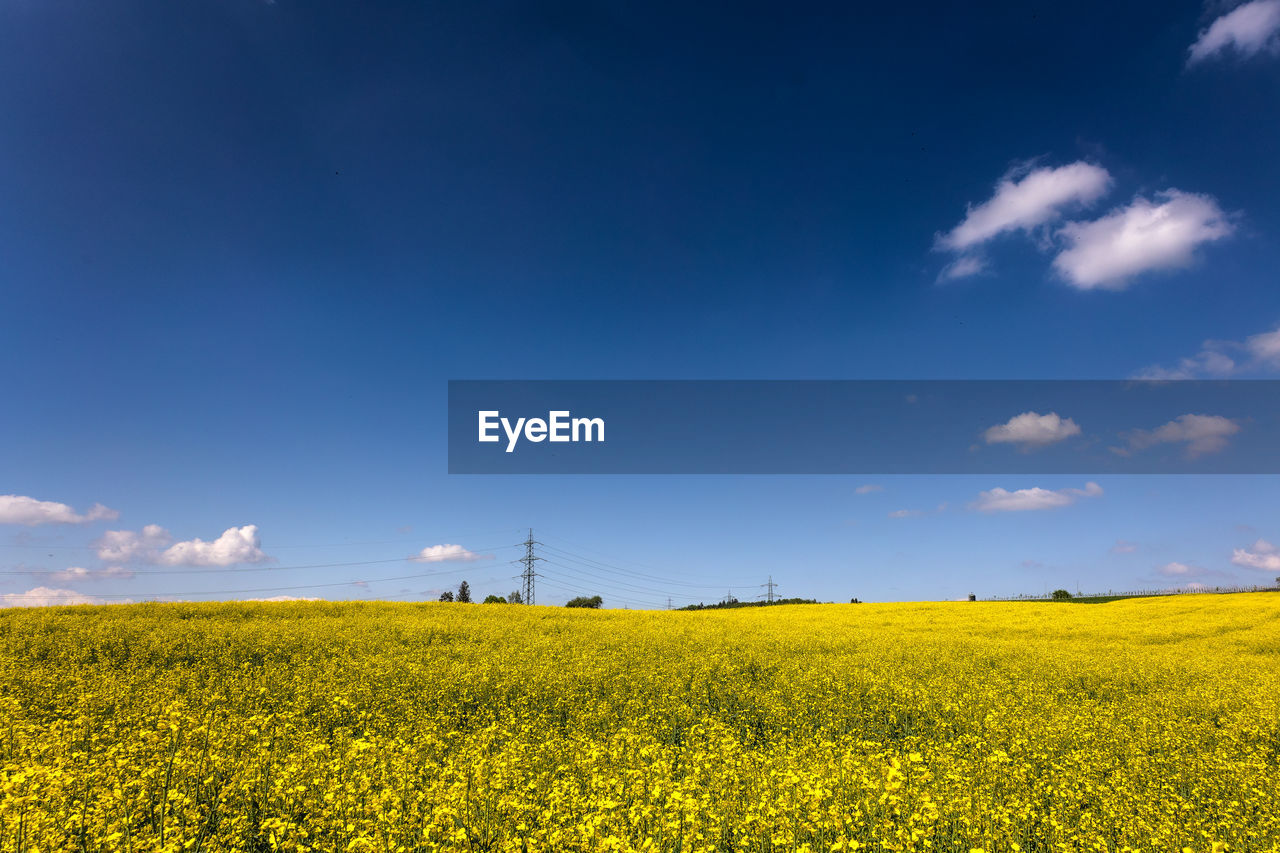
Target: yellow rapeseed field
[(1148, 724)]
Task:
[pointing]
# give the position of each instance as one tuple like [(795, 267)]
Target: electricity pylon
[(529, 574), (768, 596)]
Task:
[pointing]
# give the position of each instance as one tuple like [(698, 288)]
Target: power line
[(569, 588), (612, 569), (619, 587), (578, 547), (577, 570), (236, 569), (623, 584), (650, 596), (360, 582), (607, 567)]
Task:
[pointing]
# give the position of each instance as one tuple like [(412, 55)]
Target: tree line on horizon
[(463, 596)]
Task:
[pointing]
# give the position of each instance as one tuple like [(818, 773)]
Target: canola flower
[(1142, 725)]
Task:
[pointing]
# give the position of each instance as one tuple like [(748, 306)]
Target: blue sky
[(246, 244)]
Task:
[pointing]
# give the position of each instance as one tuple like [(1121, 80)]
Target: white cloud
[(1249, 29), (19, 509), (963, 267), (235, 545), (1030, 430), (78, 573), (905, 513), (1200, 433), (1206, 363), (868, 488), (444, 553), (1176, 570), (1258, 353), (73, 573), (1022, 500), (124, 546), (1123, 547), (43, 596), (1185, 571), (1147, 235), (1264, 349), (1262, 555), (1022, 204)]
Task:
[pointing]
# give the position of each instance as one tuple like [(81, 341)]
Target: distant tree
[(515, 598), (464, 593), (494, 599), (1061, 595), (447, 595), (854, 601), (593, 602)]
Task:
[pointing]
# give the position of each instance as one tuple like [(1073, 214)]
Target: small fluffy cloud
[(1202, 434), (78, 573), (1023, 500), (868, 488), (19, 509), (1021, 204), (1262, 555), (964, 266), (1246, 30), (1218, 359), (905, 513), (1031, 430), (235, 545), (1185, 571), (125, 546), (43, 596), (1144, 236), (444, 553), (1206, 363), (1264, 349), (1124, 547)]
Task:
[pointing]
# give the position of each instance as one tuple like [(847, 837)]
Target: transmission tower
[(768, 596), (528, 560)]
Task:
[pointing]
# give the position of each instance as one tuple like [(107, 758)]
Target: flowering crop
[(1148, 725)]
